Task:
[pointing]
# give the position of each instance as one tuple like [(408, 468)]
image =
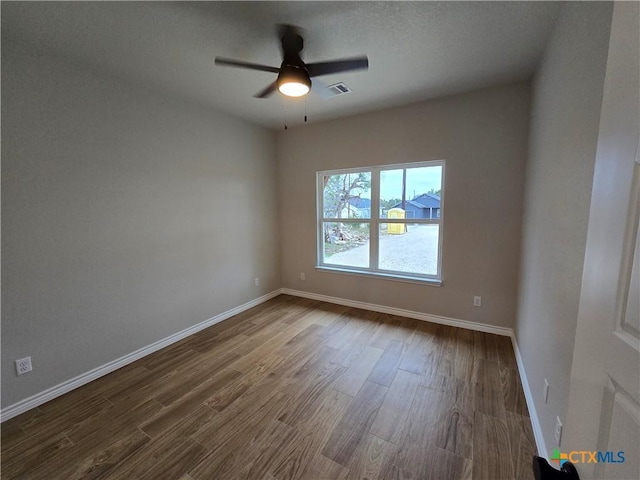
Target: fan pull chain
[(305, 109), (285, 114)]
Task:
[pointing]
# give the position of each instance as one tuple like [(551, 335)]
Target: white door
[(604, 400)]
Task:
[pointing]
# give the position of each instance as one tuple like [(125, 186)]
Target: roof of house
[(426, 200), (408, 202)]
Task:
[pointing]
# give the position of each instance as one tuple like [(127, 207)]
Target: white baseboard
[(64, 387), (535, 421), (453, 322), (401, 312)]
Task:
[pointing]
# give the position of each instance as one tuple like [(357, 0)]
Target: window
[(384, 221)]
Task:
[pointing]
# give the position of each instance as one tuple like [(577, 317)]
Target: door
[(604, 400)]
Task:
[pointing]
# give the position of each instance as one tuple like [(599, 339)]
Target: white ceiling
[(416, 50)]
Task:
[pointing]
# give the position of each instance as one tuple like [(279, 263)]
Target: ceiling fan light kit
[(293, 81)]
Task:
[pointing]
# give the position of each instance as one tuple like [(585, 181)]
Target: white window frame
[(374, 224)]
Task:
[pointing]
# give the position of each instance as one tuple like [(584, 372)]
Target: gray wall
[(127, 216), (567, 96), (483, 138)]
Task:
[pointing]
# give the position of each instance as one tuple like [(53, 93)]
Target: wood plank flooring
[(291, 389)]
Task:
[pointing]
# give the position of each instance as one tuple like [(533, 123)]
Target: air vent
[(338, 89)]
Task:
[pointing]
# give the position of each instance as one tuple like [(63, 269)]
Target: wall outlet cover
[(558, 431), (23, 365)]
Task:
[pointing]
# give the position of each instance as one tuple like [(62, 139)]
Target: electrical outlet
[(558, 431), (302, 276), (257, 280), (545, 393), (477, 301), (23, 365)]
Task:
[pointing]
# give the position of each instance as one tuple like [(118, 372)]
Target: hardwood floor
[(292, 388)]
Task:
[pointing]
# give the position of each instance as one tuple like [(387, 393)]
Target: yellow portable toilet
[(395, 228)]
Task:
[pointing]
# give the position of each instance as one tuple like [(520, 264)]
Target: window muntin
[(363, 227)]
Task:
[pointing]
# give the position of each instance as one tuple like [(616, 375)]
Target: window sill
[(431, 282)]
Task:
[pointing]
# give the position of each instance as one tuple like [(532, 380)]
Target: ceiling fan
[(294, 76)]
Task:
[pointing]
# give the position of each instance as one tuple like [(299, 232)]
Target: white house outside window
[(384, 221)]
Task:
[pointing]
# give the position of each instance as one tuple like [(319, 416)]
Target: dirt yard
[(416, 251)]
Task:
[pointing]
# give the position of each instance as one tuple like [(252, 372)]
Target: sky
[(419, 180)]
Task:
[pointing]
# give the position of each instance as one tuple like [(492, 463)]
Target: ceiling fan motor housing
[(293, 69), (292, 44)]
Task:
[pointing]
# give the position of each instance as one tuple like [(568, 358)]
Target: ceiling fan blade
[(229, 62), (267, 91), (337, 66)]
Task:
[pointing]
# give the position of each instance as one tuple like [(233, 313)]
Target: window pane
[(410, 248), (347, 195), (346, 244), (422, 187)]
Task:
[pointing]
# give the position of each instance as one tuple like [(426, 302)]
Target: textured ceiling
[(417, 50)]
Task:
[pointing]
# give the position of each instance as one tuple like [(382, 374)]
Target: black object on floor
[(543, 471)]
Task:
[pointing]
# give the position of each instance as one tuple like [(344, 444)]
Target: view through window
[(382, 220)]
